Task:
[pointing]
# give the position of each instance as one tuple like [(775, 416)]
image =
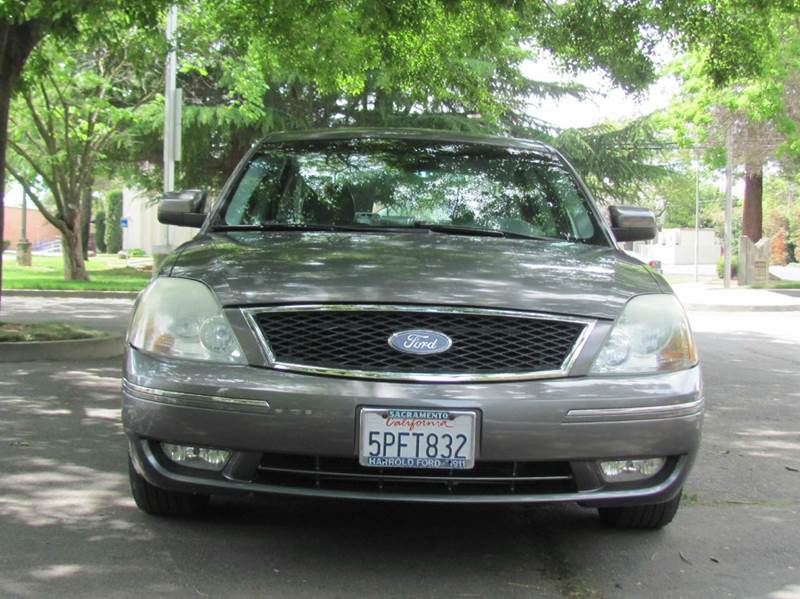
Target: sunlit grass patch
[(45, 331), (106, 273)]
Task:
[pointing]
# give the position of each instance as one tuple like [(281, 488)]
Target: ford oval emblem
[(420, 341)]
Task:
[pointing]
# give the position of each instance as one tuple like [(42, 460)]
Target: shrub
[(6, 244), (777, 249), (136, 252), (113, 233), (791, 251), (721, 266), (100, 231)]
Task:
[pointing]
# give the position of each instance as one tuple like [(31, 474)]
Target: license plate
[(437, 439)]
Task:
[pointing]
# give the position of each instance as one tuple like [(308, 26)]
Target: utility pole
[(24, 224), (728, 204), (23, 245), (696, 213), (172, 105), (172, 130)]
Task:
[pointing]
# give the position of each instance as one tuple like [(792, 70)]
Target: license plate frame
[(415, 421)]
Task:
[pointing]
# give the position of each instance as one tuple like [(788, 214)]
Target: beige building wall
[(676, 246), (143, 230)]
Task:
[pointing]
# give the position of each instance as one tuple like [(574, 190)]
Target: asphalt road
[(69, 528)]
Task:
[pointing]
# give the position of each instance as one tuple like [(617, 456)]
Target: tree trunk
[(72, 251), (753, 191), (86, 219), (71, 244), (16, 42), (5, 101)]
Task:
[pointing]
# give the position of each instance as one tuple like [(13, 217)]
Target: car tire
[(161, 502), (642, 517)]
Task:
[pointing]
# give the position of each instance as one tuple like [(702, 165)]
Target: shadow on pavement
[(70, 528)]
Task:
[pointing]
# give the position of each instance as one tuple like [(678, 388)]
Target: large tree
[(73, 103), (753, 118), (254, 66), (24, 23), (401, 59)]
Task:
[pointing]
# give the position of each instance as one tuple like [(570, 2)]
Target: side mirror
[(183, 208), (631, 223)]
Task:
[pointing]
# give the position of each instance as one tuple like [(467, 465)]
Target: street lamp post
[(23, 245), (172, 130)]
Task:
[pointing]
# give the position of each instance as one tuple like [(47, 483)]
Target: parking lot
[(68, 526)]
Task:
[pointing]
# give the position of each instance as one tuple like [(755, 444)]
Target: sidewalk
[(713, 298), (70, 293), (700, 297)]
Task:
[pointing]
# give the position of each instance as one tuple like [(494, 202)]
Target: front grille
[(346, 474), (354, 339)]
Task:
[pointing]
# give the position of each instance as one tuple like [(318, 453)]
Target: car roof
[(432, 135)]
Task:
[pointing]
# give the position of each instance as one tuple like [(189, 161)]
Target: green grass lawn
[(107, 272), (778, 285), (45, 331)]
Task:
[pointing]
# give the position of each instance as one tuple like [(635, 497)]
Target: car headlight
[(651, 335), (181, 318)]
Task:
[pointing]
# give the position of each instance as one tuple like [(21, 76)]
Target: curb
[(67, 293), (730, 308), (34, 351)]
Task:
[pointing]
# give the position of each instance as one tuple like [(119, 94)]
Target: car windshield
[(452, 188)]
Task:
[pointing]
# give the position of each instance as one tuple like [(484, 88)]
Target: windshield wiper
[(462, 230), (274, 227), (299, 227), (434, 227)]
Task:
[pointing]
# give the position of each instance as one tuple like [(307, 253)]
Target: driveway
[(68, 527)]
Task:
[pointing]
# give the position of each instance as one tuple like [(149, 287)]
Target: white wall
[(676, 246), (144, 231)]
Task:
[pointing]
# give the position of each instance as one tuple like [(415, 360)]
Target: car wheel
[(642, 517), (160, 502)]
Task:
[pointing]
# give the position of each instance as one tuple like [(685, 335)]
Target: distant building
[(38, 230), (141, 228), (676, 246)]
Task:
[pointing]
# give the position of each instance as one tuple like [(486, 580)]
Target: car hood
[(254, 267)]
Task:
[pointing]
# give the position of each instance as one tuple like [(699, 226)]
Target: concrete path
[(787, 273), (714, 298), (110, 315)]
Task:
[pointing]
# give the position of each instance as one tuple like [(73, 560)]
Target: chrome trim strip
[(194, 400), (639, 495), (637, 413), (417, 479), (272, 362)]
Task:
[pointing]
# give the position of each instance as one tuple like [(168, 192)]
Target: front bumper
[(257, 411)]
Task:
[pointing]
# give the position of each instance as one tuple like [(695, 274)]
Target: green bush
[(721, 266), (100, 231), (6, 244), (113, 233), (136, 253)]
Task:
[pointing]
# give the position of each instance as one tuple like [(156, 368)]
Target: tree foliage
[(73, 103), (254, 66), (23, 24), (396, 64), (752, 118), (100, 231), (113, 226)]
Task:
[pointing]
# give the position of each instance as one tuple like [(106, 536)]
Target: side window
[(261, 190), (235, 213), (578, 223), (574, 206)]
